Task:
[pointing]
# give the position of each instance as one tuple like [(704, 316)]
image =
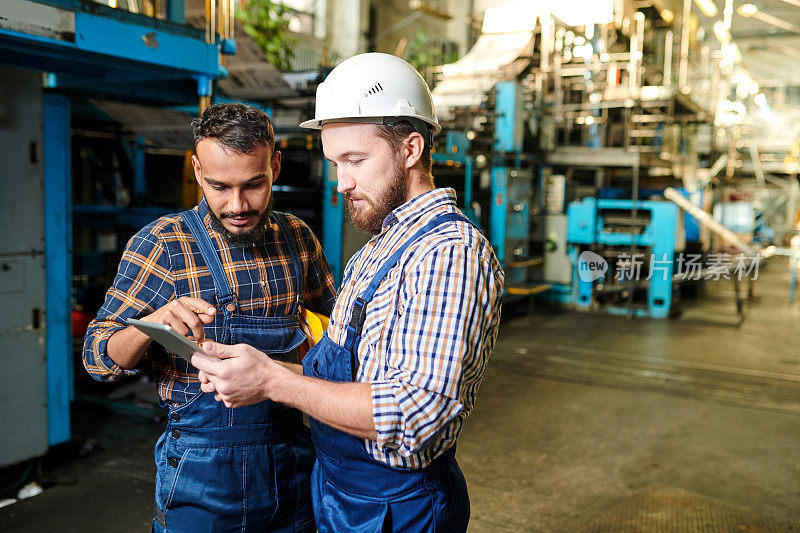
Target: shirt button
[(176, 434), (175, 417), (231, 307), (173, 462)]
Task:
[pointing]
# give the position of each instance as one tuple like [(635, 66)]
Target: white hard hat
[(374, 88)]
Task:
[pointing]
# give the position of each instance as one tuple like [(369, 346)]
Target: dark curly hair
[(237, 126)]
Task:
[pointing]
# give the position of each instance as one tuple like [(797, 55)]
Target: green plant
[(266, 22), (424, 52), (421, 52)]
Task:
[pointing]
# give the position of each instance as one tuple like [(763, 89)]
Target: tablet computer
[(169, 338)]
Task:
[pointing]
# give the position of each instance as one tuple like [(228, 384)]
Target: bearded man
[(396, 374)]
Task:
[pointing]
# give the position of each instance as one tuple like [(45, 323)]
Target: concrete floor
[(578, 412)]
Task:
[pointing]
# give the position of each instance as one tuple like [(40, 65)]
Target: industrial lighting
[(760, 100), (727, 14), (747, 10), (584, 51), (721, 33), (751, 10), (708, 7)]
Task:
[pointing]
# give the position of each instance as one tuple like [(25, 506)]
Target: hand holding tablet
[(169, 338)]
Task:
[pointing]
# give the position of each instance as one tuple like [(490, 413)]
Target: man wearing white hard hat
[(396, 374)]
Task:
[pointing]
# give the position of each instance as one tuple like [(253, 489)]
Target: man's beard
[(244, 238), (370, 218)]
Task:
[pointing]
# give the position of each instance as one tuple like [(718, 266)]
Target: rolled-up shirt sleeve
[(143, 284), (436, 348)]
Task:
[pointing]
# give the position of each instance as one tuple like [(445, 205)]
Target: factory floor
[(585, 422)]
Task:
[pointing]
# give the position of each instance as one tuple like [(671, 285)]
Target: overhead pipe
[(708, 221)]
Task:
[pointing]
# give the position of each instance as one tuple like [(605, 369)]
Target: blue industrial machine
[(51, 53), (505, 193), (511, 192), (457, 156), (623, 254)]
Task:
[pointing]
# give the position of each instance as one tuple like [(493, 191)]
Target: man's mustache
[(251, 213)]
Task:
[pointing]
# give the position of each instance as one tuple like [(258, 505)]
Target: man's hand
[(241, 376), (185, 315)]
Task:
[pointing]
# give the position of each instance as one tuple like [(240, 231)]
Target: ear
[(275, 165), (197, 170), (414, 145)]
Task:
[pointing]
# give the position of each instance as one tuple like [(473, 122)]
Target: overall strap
[(225, 295), (291, 242), (358, 313)]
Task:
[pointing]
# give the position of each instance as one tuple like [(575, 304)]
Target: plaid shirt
[(162, 262), (429, 329)]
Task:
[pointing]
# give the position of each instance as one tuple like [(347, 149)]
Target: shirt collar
[(418, 206), (202, 210)]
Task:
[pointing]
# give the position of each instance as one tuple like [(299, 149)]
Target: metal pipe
[(632, 64), (211, 21), (705, 69), (718, 165), (755, 157), (683, 72), (706, 219), (668, 45), (634, 220), (639, 17), (222, 19), (232, 31), (226, 17)]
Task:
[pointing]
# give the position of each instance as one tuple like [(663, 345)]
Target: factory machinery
[(85, 87), (488, 151), (561, 139)]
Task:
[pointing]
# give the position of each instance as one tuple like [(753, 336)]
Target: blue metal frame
[(332, 223), (508, 124), (176, 11), (104, 39), (131, 57), (58, 269), (498, 211)]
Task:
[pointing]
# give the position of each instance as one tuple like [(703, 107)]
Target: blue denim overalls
[(242, 469), (351, 490)]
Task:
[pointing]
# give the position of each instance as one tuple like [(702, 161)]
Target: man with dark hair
[(234, 271), (389, 386)]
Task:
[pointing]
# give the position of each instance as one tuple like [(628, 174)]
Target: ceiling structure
[(771, 54)]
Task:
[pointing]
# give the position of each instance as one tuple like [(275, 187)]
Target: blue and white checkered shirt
[(428, 331)]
